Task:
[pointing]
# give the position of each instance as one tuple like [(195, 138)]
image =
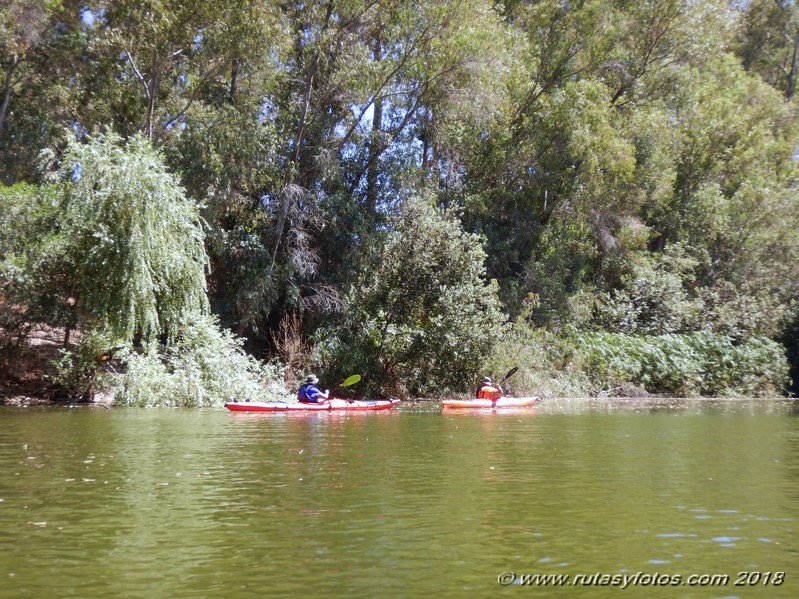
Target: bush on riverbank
[(422, 321), (205, 367), (544, 360), (588, 364), (694, 364)]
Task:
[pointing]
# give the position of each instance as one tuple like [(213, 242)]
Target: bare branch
[(136, 70)]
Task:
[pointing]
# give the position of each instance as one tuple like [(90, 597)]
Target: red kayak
[(357, 405), (502, 402)]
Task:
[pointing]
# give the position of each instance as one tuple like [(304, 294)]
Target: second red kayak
[(332, 405), (502, 402)]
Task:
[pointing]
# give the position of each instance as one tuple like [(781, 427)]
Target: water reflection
[(405, 502), (669, 405)]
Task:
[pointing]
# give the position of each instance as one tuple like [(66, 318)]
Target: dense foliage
[(112, 241), (204, 367), (626, 170), (423, 316), (684, 365), (136, 240)]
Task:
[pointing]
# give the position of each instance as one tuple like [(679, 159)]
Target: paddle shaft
[(511, 372)]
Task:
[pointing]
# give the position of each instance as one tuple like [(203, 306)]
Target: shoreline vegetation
[(607, 371), (203, 200)]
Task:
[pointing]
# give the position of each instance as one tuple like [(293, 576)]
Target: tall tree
[(425, 317), (41, 45), (355, 90), (152, 61), (769, 42)]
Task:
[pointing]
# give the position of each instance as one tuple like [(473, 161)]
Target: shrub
[(204, 367), (34, 261), (652, 299), (544, 360), (79, 373), (424, 320), (684, 365)]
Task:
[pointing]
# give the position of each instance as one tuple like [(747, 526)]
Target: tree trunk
[(374, 144), (790, 86), (290, 188), (426, 146), (152, 89), (234, 76), (7, 94)]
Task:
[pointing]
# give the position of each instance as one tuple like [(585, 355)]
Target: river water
[(618, 498)]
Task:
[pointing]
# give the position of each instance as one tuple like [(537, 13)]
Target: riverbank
[(26, 369), (27, 376)]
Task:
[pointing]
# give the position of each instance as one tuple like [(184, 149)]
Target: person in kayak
[(310, 393), (488, 390)]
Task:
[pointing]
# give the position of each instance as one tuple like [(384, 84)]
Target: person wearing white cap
[(488, 390), (310, 393)]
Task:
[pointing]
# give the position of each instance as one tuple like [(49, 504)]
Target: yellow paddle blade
[(351, 380)]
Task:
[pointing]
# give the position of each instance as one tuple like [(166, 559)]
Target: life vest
[(307, 394), (302, 394), (488, 392)]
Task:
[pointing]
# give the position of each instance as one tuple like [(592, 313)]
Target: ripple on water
[(388, 506)]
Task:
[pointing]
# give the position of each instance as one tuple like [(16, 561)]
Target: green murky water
[(408, 503)]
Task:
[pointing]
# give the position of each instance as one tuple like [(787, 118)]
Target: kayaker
[(310, 393), (488, 390)]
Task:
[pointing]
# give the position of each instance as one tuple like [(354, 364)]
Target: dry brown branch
[(291, 346)]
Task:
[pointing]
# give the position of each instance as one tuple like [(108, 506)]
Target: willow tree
[(135, 239)]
